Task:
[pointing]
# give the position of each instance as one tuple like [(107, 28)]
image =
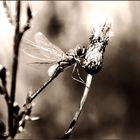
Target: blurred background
[(112, 108)]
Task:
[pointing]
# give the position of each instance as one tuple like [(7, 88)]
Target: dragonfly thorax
[(76, 54)]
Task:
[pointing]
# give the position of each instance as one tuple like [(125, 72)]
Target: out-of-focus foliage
[(112, 108)]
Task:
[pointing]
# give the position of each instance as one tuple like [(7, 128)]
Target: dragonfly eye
[(84, 50), (81, 51)]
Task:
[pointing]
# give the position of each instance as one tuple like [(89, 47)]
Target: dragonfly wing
[(40, 54), (43, 41)]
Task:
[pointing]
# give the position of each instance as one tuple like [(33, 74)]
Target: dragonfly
[(45, 52), (90, 58)]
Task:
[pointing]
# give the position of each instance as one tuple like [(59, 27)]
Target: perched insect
[(46, 52), (90, 58)]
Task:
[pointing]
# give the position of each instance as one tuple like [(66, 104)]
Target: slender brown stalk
[(17, 39), (78, 112)]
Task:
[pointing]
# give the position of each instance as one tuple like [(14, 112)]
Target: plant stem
[(17, 39), (77, 114)]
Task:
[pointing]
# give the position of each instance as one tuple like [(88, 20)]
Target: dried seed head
[(93, 60)]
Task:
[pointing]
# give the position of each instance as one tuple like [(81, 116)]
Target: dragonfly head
[(80, 51)]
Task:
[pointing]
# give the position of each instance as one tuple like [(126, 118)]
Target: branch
[(17, 40), (78, 112)]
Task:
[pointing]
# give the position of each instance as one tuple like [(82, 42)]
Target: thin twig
[(77, 114), (17, 40)]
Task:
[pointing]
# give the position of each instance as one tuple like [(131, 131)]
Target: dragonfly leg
[(78, 73), (80, 80)]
